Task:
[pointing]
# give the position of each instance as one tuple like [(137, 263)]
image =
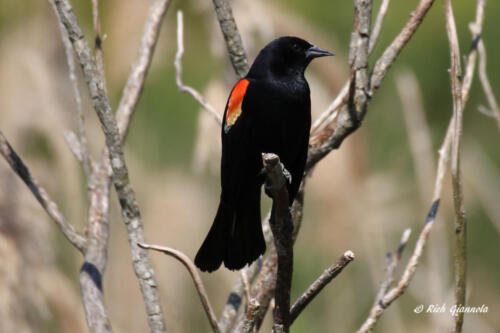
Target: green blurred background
[(360, 197)]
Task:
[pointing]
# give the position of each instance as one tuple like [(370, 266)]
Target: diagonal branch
[(15, 162), (377, 27), (135, 82), (392, 261), (315, 288), (485, 83), (184, 259)]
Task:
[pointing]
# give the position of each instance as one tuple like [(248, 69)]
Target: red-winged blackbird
[(268, 111)]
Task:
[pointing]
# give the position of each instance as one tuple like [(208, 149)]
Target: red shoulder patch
[(235, 101)]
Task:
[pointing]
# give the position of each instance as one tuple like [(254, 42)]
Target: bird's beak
[(316, 52)]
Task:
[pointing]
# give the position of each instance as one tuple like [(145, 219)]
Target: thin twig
[(315, 288), (392, 51), (246, 284), (184, 259), (80, 118), (137, 76), (263, 290), (178, 73), (460, 92), (99, 54), (232, 37), (392, 261), (331, 111), (377, 27), (130, 208), (15, 162), (282, 228), (485, 83), (234, 300), (391, 295)]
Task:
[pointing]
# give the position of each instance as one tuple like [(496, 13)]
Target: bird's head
[(287, 54)]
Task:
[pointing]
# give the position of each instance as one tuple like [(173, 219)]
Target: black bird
[(268, 111)]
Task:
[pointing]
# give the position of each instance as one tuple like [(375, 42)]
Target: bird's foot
[(286, 173), (268, 188)]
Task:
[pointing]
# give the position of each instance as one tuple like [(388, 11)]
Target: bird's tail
[(235, 237)]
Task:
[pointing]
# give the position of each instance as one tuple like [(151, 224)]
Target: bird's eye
[(296, 46)]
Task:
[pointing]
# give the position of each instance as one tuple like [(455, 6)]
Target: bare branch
[(331, 112), (233, 303), (334, 133), (264, 287), (460, 92), (130, 208), (96, 256), (391, 264), (246, 284), (377, 27), (184, 259), (135, 82), (232, 37), (392, 51), (315, 288), (98, 39), (80, 119), (388, 297), (263, 290), (249, 323), (15, 162), (485, 83), (178, 70), (282, 228)]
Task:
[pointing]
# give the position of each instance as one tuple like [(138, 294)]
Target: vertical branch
[(282, 228), (93, 268), (358, 59), (232, 37), (130, 208), (460, 92)]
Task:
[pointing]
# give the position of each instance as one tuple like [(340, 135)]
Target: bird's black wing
[(241, 161)]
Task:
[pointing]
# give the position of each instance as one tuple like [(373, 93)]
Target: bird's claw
[(286, 173)]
